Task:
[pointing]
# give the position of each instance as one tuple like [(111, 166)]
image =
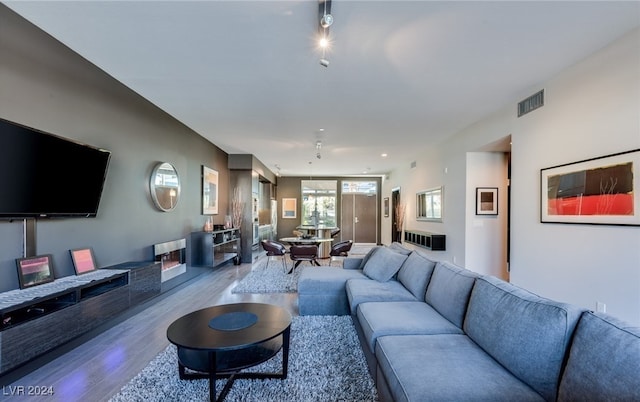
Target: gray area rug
[(271, 279), (325, 364)]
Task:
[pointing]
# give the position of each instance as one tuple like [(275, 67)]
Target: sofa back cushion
[(398, 247), (604, 361), (367, 256), (415, 274), (383, 264), (527, 334), (448, 291)]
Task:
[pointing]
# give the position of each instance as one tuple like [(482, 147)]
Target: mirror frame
[(153, 188), (421, 199)]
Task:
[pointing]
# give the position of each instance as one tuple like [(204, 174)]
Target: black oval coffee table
[(220, 341)]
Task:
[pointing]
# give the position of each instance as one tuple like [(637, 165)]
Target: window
[(319, 202), (360, 187)]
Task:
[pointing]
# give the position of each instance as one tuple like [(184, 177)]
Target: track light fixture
[(326, 20), (324, 11)]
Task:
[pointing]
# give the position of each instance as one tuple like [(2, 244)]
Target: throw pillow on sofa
[(383, 264), (368, 255), (415, 274)]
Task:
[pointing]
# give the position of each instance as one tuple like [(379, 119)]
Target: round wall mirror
[(165, 186)]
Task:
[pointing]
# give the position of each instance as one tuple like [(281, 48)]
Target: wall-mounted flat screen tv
[(33, 271), (45, 176)]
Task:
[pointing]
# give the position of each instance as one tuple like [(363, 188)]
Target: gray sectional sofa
[(433, 331)]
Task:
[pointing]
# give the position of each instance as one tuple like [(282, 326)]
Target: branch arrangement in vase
[(237, 207)]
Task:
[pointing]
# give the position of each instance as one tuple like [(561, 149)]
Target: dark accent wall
[(45, 85), (290, 187)]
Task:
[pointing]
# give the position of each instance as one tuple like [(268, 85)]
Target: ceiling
[(402, 75)]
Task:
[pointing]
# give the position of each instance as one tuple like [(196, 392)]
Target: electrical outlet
[(601, 307)]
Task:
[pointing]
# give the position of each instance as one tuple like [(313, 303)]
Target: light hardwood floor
[(98, 368)]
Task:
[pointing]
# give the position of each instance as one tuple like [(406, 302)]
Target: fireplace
[(172, 256)]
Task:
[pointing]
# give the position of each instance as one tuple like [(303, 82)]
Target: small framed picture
[(83, 260), (289, 208), (487, 201), (386, 207), (33, 271)]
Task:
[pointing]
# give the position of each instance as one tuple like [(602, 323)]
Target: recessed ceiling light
[(383, 155)]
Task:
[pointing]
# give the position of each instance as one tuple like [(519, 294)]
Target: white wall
[(591, 109)]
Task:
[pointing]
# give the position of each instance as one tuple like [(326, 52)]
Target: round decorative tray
[(233, 321)]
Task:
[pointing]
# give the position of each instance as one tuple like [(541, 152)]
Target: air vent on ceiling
[(531, 103), (413, 164)]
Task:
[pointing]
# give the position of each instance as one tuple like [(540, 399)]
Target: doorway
[(487, 236), (359, 211), (396, 234)]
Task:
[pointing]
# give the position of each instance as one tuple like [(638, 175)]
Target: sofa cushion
[(363, 291), (352, 263), (383, 264), (415, 274), (445, 368), (321, 290), (399, 248), (448, 291), (401, 318), (369, 254), (525, 333), (604, 361)]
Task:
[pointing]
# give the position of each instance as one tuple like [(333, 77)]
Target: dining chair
[(303, 252), (340, 250), (274, 249)]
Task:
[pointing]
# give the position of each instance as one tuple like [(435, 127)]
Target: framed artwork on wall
[(209, 191), (289, 207), (487, 201), (386, 207), (598, 191)]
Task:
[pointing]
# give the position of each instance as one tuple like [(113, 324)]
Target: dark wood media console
[(39, 319), (145, 279)]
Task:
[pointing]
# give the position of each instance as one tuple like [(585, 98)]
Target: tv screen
[(34, 271), (83, 260), (43, 175)]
